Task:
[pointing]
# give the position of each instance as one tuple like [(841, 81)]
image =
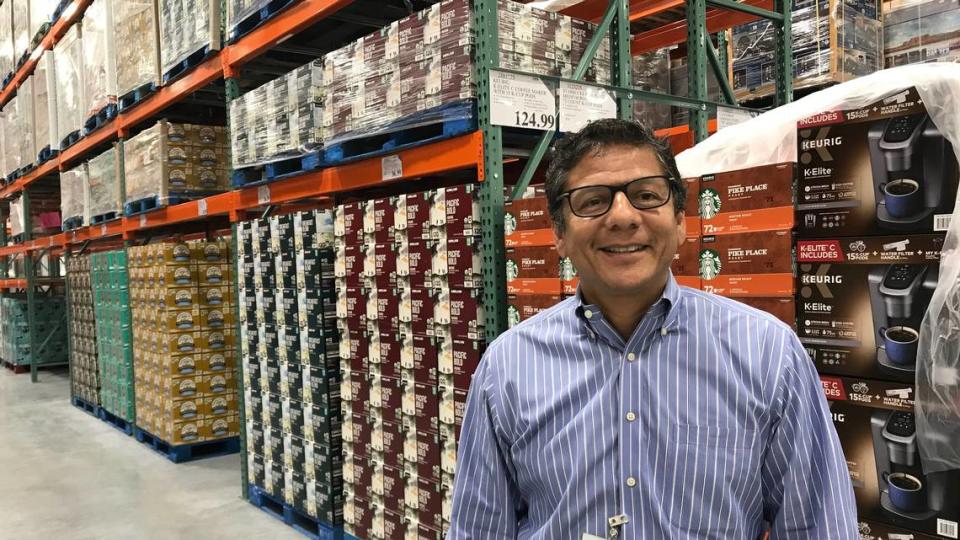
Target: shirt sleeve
[(486, 503), (806, 484)]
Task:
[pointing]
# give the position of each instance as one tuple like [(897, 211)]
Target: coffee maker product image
[(914, 171), (899, 296), (882, 169)]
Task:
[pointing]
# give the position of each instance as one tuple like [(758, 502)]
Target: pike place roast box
[(686, 263), (882, 169), (885, 455), (533, 270), (861, 302), (691, 210), (527, 222), (750, 264), (747, 200), (521, 307)]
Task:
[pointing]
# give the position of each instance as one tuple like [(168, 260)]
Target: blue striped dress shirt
[(709, 422)]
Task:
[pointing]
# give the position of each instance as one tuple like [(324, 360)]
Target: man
[(639, 408)]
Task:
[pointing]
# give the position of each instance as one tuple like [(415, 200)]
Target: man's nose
[(622, 213)]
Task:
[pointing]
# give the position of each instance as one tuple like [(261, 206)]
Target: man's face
[(625, 251)]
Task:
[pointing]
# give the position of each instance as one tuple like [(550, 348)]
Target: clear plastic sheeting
[(176, 161), (920, 31), (68, 59), (103, 179), (938, 357), (238, 10), (280, 119), (17, 223), (138, 31), (833, 41), (186, 27), (651, 72), (41, 12), (21, 28), (44, 105), (19, 128), (99, 61), (7, 58), (74, 189)]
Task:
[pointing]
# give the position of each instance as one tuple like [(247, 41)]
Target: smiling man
[(638, 408)]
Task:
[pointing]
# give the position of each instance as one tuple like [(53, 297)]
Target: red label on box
[(833, 388), (819, 251), (822, 119)]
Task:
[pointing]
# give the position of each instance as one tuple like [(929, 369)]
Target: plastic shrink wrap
[(45, 105), (99, 62), (187, 28), (41, 13), (103, 179), (7, 58), (138, 31), (175, 162), (921, 31), (280, 119), (74, 197), (651, 72), (68, 60), (21, 28)]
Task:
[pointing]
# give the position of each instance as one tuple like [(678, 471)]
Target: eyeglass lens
[(643, 194)]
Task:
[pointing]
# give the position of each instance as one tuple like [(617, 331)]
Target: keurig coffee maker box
[(861, 302), (882, 169), (883, 448)]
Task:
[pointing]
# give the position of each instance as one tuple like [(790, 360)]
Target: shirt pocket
[(717, 473)]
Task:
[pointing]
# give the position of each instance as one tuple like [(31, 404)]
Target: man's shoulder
[(715, 308)]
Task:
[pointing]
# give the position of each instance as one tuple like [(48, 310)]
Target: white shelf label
[(521, 101), (202, 207), (391, 167), (728, 116), (143, 220), (263, 195), (581, 104), (103, 230)]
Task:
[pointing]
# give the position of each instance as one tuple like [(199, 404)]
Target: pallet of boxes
[(876, 188), (111, 299), (84, 372), (184, 348)]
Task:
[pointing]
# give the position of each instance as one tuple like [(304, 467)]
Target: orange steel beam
[(676, 32), (80, 150), (54, 34), (641, 10), (276, 30), (47, 168), (207, 72), (13, 283), (216, 205), (679, 130)]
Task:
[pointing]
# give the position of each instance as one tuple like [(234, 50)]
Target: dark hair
[(596, 136)]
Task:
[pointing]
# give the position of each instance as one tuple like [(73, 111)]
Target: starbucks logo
[(513, 315), (709, 264), (709, 203), (512, 270), (509, 224), (567, 270)]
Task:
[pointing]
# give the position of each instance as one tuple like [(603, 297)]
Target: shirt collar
[(667, 304)]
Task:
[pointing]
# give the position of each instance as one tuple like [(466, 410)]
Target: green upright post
[(622, 59), (28, 269), (491, 189), (784, 52), (696, 64), (233, 92)]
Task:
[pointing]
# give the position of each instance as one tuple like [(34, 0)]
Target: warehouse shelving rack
[(654, 24)]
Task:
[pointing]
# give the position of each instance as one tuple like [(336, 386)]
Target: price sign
[(581, 104), (521, 101), (729, 116), (202, 207), (391, 167), (103, 230), (263, 195), (143, 220)]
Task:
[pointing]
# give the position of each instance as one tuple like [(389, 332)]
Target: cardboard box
[(421, 453), (691, 207), (747, 200), (751, 264), (686, 263), (533, 270), (523, 306), (527, 222), (884, 450), (411, 217), (861, 302), (883, 169), (784, 309)]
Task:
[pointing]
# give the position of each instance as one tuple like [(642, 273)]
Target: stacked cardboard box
[(74, 197), (425, 61), (85, 373), (43, 87), (876, 187), (7, 59), (187, 27), (279, 119), (137, 30), (175, 162), (70, 77), (18, 119), (21, 28), (651, 72), (111, 306), (183, 341), (99, 59), (537, 276), (833, 41), (50, 318), (103, 197), (290, 350), (916, 31), (412, 333)]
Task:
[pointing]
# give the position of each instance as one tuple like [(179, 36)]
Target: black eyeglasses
[(644, 193)]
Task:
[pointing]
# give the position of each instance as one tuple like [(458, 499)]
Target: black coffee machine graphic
[(899, 296), (906, 493), (914, 172)]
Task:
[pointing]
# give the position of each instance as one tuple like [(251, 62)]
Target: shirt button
[(631, 357), (631, 481), (664, 331), (588, 314), (631, 417)]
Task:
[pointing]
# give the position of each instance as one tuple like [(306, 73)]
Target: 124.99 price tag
[(522, 101)]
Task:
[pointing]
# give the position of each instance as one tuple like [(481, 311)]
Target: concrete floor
[(67, 475)]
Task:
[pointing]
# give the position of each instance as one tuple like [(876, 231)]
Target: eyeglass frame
[(622, 188)]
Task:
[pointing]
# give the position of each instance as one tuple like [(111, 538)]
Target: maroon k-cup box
[(389, 365), (385, 265), (420, 318), (419, 359), (355, 392), (388, 482), (466, 358), (348, 221), (456, 262), (414, 260), (387, 396), (379, 215), (358, 516), (424, 498), (411, 217), (358, 474), (391, 443), (349, 264), (521, 307), (421, 452), (456, 208), (420, 406)]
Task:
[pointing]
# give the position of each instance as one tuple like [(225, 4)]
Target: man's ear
[(558, 238), (681, 225)]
